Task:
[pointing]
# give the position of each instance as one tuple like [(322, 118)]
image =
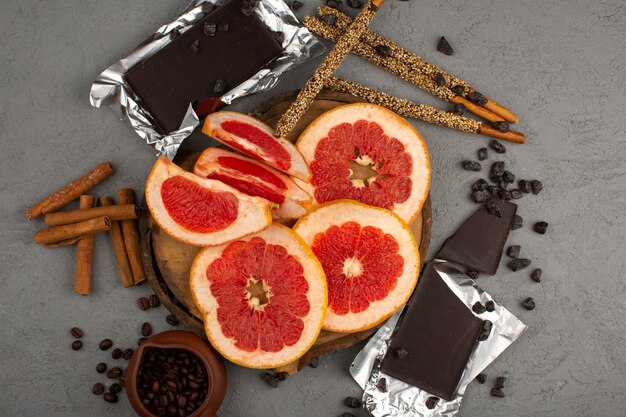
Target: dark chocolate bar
[(478, 244), (436, 335), (190, 66)]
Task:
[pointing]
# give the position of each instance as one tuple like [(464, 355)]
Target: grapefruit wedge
[(370, 258), (200, 211), (263, 297), (367, 153), (256, 179), (254, 138)]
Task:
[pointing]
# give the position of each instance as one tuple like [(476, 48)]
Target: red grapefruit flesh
[(253, 138), (263, 297), (255, 179), (370, 258), (201, 211), (367, 153)]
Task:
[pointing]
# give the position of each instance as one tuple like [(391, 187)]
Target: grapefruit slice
[(367, 153), (263, 297), (370, 258), (256, 179), (254, 138), (200, 211)]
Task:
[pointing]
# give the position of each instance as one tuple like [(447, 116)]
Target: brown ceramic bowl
[(178, 339)]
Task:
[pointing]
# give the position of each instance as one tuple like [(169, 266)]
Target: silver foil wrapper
[(110, 86), (402, 399)]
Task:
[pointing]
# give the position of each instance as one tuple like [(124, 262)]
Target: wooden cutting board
[(167, 261)]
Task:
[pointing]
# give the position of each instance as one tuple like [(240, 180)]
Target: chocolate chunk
[(501, 126), (486, 331), (497, 392), (524, 186), (482, 154), (541, 227), (210, 29), (490, 306), (480, 196), (513, 251), (480, 185), (195, 46), (494, 190), (431, 402), (518, 222), (329, 19), (382, 385), (536, 186), (471, 165), (497, 146), (504, 195), (208, 8), (508, 177), (477, 98), (459, 90), (444, 47), (441, 339), (536, 275), (478, 308), (459, 108), (481, 378), (296, 6), (355, 4), (440, 80), (518, 263), (529, 303), (401, 352), (271, 379), (500, 382), (496, 172), (472, 273), (315, 362), (383, 50), (220, 86), (352, 402), (493, 208), (516, 194), (479, 242)]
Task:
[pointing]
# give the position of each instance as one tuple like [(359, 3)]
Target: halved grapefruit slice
[(200, 211), (367, 153), (256, 179), (263, 297), (254, 138), (370, 258)]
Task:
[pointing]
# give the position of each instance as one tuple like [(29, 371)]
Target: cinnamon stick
[(71, 191), (84, 254), (130, 233), (115, 213), (69, 231), (119, 250), (61, 243)]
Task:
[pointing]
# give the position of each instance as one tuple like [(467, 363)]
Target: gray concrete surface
[(560, 65)]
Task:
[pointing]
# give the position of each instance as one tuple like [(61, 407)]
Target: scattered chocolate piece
[(440, 80), (154, 301), (115, 372), (335, 4), (444, 47), (480, 185), (220, 86), (477, 98), (536, 275), (76, 332), (97, 388), (296, 6), (482, 154), (504, 195), (315, 362), (210, 28), (481, 378), (223, 27), (143, 303), (501, 127), (127, 354), (471, 165), (281, 375), (496, 172), (116, 353), (478, 308), (115, 388), (459, 90), (497, 392), (493, 209), (490, 306), (111, 398), (352, 402), (330, 19), (497, 146), (459, 108), (480, 196), (195, 46), (172, 320), (500, 382), (518, 222), (508, 177), (536, 186), (355, 4), (529, 303), (524, 186), (101, 368), (146, 329), (382, 384), (106, 344), (77, 345), (431, 402), (518, 263), (383, 50), (541, 227), (516, 194), (494, 190), (513, 251), (473, 274), (484, 334)]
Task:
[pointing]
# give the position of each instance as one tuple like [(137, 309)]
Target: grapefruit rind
[(299, 168), (338, 212), (317, 296), (394, 126), (254, 213)]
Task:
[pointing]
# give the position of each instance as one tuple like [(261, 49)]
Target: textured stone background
[(560, 65)]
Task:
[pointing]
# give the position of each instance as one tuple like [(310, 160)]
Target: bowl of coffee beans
[(178, 374)]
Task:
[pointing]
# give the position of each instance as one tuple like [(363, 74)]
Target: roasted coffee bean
[(529, 303), (480, 185), (154, 301), (541, 227), (143, 303), (444, 47), (220, 86), (335, 4), (115, 372), (518, 222), (484, 334), (483, 154), (478, 308), (97, 388), (536, 275), (493, 209), (536, 186), (459, 90), (518, 263), (77, 345), (500, 382), (382, 385), (116, 353), (146, 329), (127, 354), (501, 126), (296, 6), (431, 402), (497, 392), (516, 194), (477, 98), (355, 4), (210, 29), (513, 251), (459, 108), (383, 50), (141, 341), (115, 388), (315, 362), (440, 80), (195, 46), (352, 402), (471, 165), (497, 146), (76, 332), (473, 274), (481, 378), (504, 195), (172, 320), (508, 177), (496, 172), (330, 19), (181, 401), (400, 352), (101, 368), (490, 306), (271, 379), (110, 397)]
